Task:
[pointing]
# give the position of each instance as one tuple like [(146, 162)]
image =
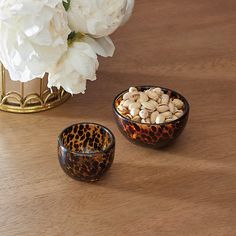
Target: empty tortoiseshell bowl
[(151, 135), (86, 151)]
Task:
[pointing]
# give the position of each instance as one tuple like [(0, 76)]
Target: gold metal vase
[(30, 97)]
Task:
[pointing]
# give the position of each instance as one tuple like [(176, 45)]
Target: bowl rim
[(186, 103), (110, 146)]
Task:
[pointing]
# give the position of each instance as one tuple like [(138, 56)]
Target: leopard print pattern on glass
[(87, 151), (152, 135)]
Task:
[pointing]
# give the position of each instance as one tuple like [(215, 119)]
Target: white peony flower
[(98, 18), (78, 65), (33, 36), (129, 10), (102, 46)]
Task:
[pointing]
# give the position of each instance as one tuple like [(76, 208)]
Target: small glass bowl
[(86, 151), (151, 135)]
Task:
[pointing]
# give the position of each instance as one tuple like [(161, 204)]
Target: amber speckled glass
[(151, 135), (86, 151)]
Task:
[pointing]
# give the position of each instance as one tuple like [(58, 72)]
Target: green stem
[(66, 4), (74, 37)]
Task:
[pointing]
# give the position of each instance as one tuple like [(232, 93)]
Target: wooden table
[(186, 189)]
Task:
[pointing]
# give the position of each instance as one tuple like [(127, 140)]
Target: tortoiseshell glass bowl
[(151, 135), (86, 151)]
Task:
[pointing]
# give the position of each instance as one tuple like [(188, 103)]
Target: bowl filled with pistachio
[(151, 116)]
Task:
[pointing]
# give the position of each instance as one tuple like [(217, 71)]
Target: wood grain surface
[(188, 189)]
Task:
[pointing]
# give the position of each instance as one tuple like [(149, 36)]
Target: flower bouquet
[(61, 38)]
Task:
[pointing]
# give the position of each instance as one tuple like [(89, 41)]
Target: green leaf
[(74, 37), (66, 4), (71, 35)]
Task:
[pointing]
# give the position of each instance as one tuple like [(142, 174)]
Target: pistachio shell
[(154, 116), (178, 103), (133, 89), (154, 103), (143, 114), (131, 96), (160, 119), (143, 97), (136, 97), (163, 108), (174, 117), (122, 109), (127, 96), (157, 91), (165, 99), (134, 112), (168, 120), (167, 114), (148, 105), (127, 103), (179, 113), (136, 119), (134, 105), (152, 95), (172, 107), (143, 121)]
